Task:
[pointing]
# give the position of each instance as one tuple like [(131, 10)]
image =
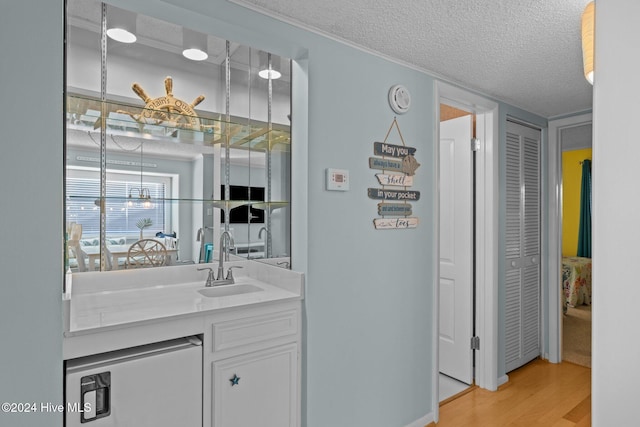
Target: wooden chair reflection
[(74, 233), (146, 253), (79, 255)]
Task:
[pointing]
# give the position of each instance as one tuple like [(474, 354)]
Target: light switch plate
[(337, 179)]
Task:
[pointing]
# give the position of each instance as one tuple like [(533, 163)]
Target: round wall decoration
[(399, 99)]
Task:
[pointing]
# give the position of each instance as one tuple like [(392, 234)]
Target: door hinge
[(475, 343), (475, 144)]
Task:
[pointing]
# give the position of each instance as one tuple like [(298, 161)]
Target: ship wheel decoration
[(167, 110)]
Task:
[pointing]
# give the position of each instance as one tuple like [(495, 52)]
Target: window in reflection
[(124, 212)]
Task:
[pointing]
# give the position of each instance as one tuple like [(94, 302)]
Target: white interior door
[(456, 249)]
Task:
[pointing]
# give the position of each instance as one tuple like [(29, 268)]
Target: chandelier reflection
[(140, 196), (141, 199)]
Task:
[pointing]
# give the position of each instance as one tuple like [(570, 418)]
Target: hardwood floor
[(538, 394)]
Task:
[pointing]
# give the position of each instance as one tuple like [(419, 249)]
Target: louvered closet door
[(522, 235)]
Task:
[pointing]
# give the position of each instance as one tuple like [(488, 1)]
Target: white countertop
[(116, 299)]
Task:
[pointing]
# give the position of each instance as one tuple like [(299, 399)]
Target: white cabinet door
[(456, 249), (257, 389)]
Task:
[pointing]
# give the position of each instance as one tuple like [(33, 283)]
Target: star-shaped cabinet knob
[(235, 380)]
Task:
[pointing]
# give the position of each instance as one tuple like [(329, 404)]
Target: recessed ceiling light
[(195, 54), (269, 66), (121, 35), (194, 45), (273, 74)]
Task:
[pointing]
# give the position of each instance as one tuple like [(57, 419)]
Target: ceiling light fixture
[(588, 35), (194, 45), (269, 66), (121, 35), (121, 25)]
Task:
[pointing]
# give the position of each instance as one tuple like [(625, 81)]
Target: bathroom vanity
[(250, 333)]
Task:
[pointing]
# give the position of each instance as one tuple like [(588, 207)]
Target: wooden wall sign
[(383, 149), (407, 164), (397, 209), (395, 180), (395, 223), (383, 194), (400, 161), (390, 165)]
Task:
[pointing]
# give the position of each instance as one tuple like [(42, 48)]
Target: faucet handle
[(230, 271), (210, 277)]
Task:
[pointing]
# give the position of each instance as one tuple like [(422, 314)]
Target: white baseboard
[(549, 359), (422, 422), (503, 380)]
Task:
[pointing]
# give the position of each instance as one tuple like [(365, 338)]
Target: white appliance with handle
[(154, 385)]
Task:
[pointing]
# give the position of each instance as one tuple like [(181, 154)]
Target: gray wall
[(31, 261)]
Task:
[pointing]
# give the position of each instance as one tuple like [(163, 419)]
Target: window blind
[(121, 218)]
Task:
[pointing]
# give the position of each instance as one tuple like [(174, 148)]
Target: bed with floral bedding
[(576, 281)]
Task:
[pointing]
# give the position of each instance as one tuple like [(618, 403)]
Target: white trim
[(421, 422), (299, 224), (487, 227), (554, 258), (300, 166), (503, 380), (435, 302), (544, 239), (487, 159)]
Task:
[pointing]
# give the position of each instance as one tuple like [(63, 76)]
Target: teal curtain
[(584, 234)]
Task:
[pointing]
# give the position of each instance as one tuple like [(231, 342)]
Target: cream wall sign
[(398, 165)]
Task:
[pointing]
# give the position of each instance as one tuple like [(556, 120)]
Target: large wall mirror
[(173, 137)]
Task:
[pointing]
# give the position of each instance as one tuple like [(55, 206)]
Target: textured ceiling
[(524, 52)]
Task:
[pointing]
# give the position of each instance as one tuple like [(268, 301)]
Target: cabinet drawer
[(255, 329)]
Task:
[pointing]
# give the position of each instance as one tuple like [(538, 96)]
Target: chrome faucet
[(266, 240), (226, 243)]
